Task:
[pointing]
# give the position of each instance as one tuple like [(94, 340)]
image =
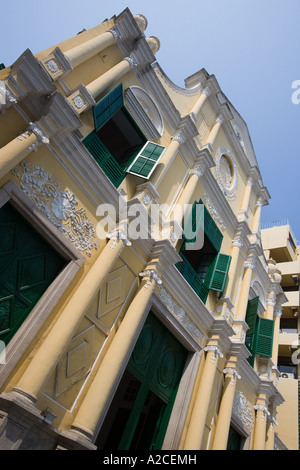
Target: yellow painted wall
[(287, 417)]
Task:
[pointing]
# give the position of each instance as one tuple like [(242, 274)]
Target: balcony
[(279, 240), (288, 338), (293, 299)]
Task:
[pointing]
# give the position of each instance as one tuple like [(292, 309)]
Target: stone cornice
[(224, 331), (127, 26), (267, 387), (188, 297)]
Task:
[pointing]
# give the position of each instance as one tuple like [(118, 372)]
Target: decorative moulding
[(145, 111), (213, 212), (81, 99), (60, 206), (243, 411), (180, 314), (57, 64), (227, 174)]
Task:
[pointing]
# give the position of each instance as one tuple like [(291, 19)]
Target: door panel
[(28, 265), (156, 364)]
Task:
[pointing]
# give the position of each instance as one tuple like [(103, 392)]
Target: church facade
[(137, 308)]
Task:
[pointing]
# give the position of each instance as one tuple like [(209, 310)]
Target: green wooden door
[(150, 385), (28, 265), (234, 440)]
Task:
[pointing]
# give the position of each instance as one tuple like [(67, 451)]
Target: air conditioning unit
[(286, 375)]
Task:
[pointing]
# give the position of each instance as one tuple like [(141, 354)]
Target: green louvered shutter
[(263, 342), (108, 106), (192, 278), (195, 221), (104, 159), (216, 275), (251, 315), (146, 160), (205, 220), (212, 231)]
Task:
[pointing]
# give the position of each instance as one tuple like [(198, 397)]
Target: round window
[(227, 174)]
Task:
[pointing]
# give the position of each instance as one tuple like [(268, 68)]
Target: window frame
[(22, 339), (139, 155)]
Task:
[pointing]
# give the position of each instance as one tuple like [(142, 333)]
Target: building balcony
[(292, 299), (279, 240), (288, 338), (290, 272)]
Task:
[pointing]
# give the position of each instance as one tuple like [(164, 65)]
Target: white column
[(79, 54), (256, 216), (214, 131), (200, 102), (100, 84), (16, 150)]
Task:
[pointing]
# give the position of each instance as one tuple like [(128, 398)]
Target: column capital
[(197, 170), (259, 202), (132, 60), (220, 119), (278, 310), (116, 32), (179, 137), (263, 408), (250, 181), (36, 129), (206, 91), (272, 419), (215, 350), (233, 372), (151, 275), (117, 235), (7, 97), (271, 299), (250, 263), (237, 242)]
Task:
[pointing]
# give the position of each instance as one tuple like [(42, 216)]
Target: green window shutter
[(194, 223), (216, 276), (251, 315), (263, 342), (108, 106), (203, 293), (212, 231), (146, 160), (104, 158), (192, 278)]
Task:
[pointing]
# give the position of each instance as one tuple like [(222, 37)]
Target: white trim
[(145, 111)]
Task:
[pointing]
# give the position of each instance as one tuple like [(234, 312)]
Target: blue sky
[(252, 47)]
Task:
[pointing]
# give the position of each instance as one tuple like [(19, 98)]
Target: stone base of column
[(24, 427)]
